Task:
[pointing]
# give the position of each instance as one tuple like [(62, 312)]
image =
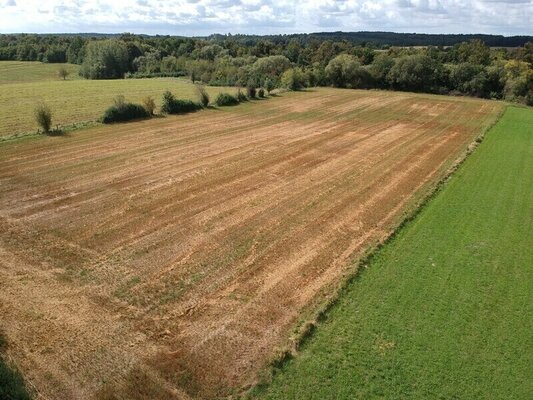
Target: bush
[(122, 111), (204, 96), (43, 116), (168, 101), (171, 105), (241, 96), (149, 105), (251, 92), (226, 99), (261, 93)]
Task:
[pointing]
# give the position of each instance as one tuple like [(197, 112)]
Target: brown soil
[(170, 258)]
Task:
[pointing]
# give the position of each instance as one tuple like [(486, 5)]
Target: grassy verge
[(443, 310)]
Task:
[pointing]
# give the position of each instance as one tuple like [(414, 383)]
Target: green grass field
[(74, 101), (32, 71), (444, 310)]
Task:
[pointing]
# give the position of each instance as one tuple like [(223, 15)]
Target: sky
[(203, 17)]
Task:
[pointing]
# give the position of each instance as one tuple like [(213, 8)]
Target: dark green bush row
[(143, 75), (226, 99), (171, 105), (124, 112)]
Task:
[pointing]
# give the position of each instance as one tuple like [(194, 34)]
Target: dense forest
[(339, 59)]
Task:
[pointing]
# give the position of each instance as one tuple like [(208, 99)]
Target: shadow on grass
[(12, 385)]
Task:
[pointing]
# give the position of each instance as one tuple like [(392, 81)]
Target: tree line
[(296, 61)]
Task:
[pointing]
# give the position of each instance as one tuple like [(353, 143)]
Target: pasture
[(74, 101), (170, 258), (444, 310), (33, 71)]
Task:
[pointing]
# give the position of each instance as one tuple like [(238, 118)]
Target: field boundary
[(305, 330)]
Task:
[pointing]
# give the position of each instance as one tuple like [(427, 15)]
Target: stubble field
[(175, 255)]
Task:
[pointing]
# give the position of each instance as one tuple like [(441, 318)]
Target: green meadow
[(75, 100)]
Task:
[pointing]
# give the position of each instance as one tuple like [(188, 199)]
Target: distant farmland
[(181, 251), (75, 100)]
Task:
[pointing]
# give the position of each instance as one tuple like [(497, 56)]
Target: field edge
[(317, 312)]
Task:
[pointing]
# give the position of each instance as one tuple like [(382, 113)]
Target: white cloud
[(201, 17)]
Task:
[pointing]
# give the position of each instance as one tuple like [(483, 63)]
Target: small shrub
[(171, 105), (261, 93), (251, 92), (226, 99), (122, 111), (203, 95), (63, 73), (241, 96), (43, 117), (149, 105), (168, 101)]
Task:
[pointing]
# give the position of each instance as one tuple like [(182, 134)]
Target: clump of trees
[(105, 59), (297, 61)]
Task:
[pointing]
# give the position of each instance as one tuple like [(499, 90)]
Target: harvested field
[(175, 255)]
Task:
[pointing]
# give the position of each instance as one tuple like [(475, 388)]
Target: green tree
[(75, 50), (105, 59), (415, 73), (63, 73), (346, 71), (293, 79)]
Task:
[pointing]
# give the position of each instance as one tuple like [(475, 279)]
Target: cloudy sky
[(202, 17)]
